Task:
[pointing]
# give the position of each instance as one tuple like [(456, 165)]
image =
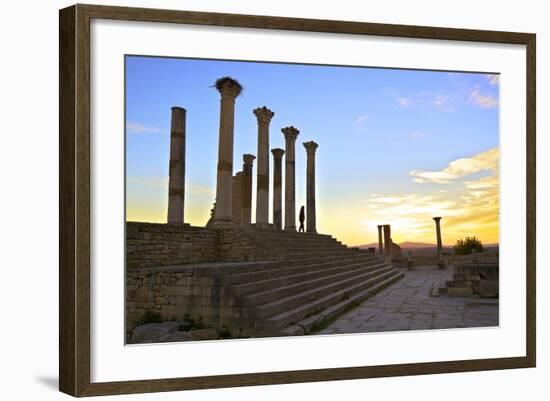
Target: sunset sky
[(395, 146)]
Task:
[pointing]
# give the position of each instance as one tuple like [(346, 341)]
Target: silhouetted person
[(302, 219)]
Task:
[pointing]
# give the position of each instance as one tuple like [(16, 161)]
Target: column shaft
[(438, 235), (291, 134), (277, 188), (311, 225), (380, 243), (264, 115), (176, 180), (387, 243), (246, 212), (229, 90)]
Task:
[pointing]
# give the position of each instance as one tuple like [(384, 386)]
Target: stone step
[(319, 279), (320, 253), (319, 258), (290, 316), (258, 272), (286, 234), (292, 275), (312, 323), (295, 238), (296, 300), (299, 245)]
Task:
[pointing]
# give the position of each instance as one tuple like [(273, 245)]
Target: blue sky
[(378, 130)]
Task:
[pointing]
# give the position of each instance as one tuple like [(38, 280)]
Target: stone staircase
[(316, 279)]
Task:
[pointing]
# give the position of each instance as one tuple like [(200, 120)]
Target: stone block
[(142, 294), (203, 334), (153, 332), (460, 291)]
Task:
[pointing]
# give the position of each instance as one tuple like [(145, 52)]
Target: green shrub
[(467, 245)]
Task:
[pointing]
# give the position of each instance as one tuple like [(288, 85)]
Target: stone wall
[(475, 278), (171, 292), (150, 245), (197, 291), (172, 271), (237, 189)]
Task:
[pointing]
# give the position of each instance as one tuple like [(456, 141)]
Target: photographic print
[(278, 199)]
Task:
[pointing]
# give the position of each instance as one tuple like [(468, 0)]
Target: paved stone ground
[(407, 305)]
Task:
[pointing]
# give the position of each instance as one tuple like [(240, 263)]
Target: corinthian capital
[(290, 133), (264, 115), (277, 153), (248, 159), (311, 147)]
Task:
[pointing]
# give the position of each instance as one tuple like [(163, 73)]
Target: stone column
[(440, 262), (229, 90), (246, 212), (290, 134), (176, 181), (277, 187), (387, 243), (380, 243), (264, 116), (311, 147)]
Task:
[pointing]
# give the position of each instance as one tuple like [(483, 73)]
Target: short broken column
[(380, 243), (264, 116), (387, 243), (176, 180), (311, 148), (277, 187), (440, 261), (290, 134), (229, 90), (246, 212)]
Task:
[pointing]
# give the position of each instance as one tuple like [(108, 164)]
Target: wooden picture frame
[(74, 204)]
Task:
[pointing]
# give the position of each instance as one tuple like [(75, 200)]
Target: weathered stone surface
[(150, 244), (407, 305), (177, 336), (237, 188), (153, 332), (229, 90), (176, 183), (203, 334), (290, 133), (277, 188), (311, 148)]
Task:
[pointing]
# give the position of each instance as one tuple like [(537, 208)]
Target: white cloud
[(485, 161), (137, 128), (427, 100), (485, 101), (362, 118)]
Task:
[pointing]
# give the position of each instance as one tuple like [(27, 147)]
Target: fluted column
[(387, 243), (311, 224), (438, 234), (290, 134), (246, 212), (176, 180), (380, 243), (229, 90), (277, 187), (264, 116)]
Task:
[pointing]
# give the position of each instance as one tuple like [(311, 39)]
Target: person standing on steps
[(302, 219)]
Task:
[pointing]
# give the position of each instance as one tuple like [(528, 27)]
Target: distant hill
[(418, 245), (405, 245)]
